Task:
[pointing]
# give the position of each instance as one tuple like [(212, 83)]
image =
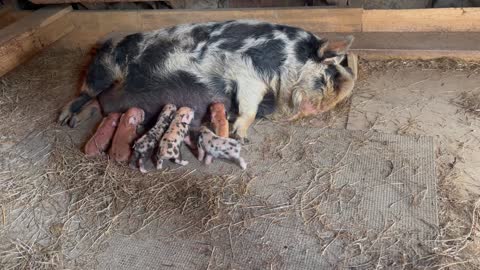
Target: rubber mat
[(317, 199)]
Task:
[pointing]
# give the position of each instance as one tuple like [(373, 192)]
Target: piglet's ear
[(336, 47)]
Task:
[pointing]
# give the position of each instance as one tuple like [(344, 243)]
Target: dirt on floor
[(57, 208)]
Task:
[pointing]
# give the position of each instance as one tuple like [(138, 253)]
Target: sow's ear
[(335, 51)]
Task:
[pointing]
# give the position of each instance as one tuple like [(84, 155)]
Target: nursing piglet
[(169, 146), (143, 147), (126, 133)]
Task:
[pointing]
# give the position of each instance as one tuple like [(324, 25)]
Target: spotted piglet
[(99, 142), (169, 146), (212, 146), (218, 118), (143, 147), (126, 133)]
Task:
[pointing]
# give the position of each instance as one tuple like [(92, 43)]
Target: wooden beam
[(312, 19), (26, 37), (422, 20), (8, 15), (92, 25), (83, 1), (383, 45)]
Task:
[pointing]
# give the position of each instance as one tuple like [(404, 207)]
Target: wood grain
[(422, 20), (26, 37)]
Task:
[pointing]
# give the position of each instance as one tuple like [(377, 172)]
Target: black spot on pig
[(230, 45), (291, 32), (127, 49), (201, 54), (218, 84), (172, 30), (140, 72), (156, 54), (169, 145), (268, 57), (332, 72), (319, 83), (232, 86), (202, 32), (267, 105), (307, 48), (238, 32), (175, 151), (99, 76)]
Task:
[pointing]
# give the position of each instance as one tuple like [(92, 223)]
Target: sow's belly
[(153, 102)]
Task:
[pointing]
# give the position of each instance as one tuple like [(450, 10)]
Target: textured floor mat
[(312, 199)]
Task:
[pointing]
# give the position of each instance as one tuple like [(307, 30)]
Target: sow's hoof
[(73, 119)]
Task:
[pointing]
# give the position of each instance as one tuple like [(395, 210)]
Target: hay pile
[(58, 209), (82, 202)]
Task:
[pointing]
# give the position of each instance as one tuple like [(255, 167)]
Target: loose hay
[(95, 198), (443, 64), (57, 212), (469, 102)]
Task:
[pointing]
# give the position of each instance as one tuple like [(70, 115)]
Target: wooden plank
[(23, 39), (417, 45), (8, 15), (422, 20), (83, 1), (312, 19)]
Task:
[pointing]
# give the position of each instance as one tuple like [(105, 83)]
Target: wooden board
[(312, 19), (26, 37), (8, 15), (92, 25), (83, 1), (417, 45), (422, 20)]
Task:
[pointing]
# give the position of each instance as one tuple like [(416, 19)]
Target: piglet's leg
[(241, 162), (141, 165), (201, 153), (208, 159), (134, 160), (179, 160), (159, 164), (188, 142)]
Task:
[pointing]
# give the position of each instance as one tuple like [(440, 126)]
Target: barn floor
[(390, 179)]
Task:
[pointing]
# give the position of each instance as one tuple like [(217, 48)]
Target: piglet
[(169, 146), (99, 142), (212, 146), (143, 147), (218, 118), (126, 133)]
